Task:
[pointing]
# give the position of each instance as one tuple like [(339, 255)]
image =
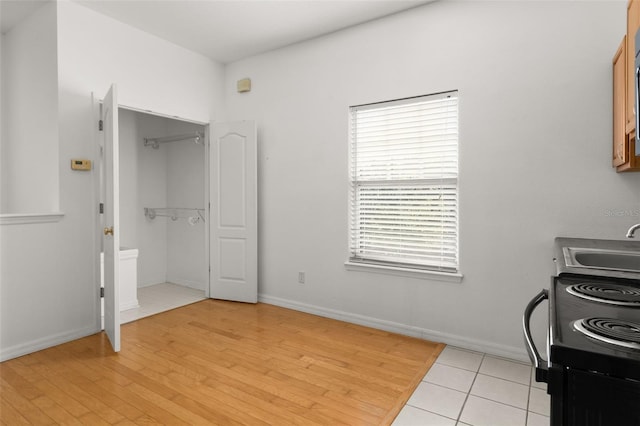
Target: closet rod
[(193, 215), (198, 138)]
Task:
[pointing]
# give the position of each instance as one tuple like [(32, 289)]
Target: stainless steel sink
[(611, 260)]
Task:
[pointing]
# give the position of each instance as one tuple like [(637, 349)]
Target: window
[(404, 183)]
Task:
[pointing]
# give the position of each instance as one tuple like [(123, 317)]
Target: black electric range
[(583, 331), (593, 350)]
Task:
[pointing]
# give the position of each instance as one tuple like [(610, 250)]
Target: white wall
[(3, 129), (534, 80), (49, 276), (29, 180)]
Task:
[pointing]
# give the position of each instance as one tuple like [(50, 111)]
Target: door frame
[(98, 197)]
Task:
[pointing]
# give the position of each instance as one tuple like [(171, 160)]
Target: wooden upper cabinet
[(624, 157), (620, 148), (633, 23)]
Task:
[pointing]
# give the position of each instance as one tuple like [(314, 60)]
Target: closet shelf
[(193, 216), (198, 138)]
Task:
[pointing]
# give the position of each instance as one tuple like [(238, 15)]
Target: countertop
[(624, 245)]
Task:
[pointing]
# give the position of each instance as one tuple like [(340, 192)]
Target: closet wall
[(187, 263), (171, 176)]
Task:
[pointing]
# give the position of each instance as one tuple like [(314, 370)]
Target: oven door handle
[(541, 369)]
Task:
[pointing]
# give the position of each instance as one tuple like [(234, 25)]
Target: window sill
[(404, 272), (28, 218)]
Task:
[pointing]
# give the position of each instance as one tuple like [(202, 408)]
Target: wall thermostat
[(77, 164)]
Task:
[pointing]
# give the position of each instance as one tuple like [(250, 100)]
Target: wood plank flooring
[(216, 362)]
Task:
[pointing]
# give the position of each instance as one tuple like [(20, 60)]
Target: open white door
[(234, 212), (111, 237)]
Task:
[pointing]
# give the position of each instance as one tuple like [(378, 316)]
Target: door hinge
[(101, 291), (101, 208), (100, 125)]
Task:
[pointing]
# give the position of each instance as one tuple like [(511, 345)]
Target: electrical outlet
[(301, 277)]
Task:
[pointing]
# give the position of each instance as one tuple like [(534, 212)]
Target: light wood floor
[(216, 362)]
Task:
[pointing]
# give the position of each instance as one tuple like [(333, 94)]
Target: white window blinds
[(404, 183)]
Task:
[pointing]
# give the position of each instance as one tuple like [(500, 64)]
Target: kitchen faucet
[(631, 230)]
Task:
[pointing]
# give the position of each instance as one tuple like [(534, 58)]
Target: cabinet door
[(619, 99), (631, 165), (632, 160), (633, 23)]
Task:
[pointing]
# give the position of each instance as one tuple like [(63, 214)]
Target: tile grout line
[(431, 412), (501, 403), (477, 372), (526, 417), (466, 398), (475, 377)]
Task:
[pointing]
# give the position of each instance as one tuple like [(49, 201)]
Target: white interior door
[(234, 212), (111, 232)]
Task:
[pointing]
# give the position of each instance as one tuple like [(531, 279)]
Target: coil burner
[(611, 330), (610, 293)]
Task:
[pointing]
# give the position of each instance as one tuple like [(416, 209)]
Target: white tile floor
[(159, 298), (465, 388)]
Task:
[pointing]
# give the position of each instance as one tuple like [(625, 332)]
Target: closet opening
[(163, 173)]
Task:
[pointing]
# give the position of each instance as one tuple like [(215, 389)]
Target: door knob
[(108, 231)]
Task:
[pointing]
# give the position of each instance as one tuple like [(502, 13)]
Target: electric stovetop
[(595, 324)]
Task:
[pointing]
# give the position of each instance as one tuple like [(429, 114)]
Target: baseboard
[(394, 327), (186, 283), (44, 343), (131, 304), (463, 342)]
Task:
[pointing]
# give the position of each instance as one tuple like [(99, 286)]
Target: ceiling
[(14, 11), (228, 30)]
